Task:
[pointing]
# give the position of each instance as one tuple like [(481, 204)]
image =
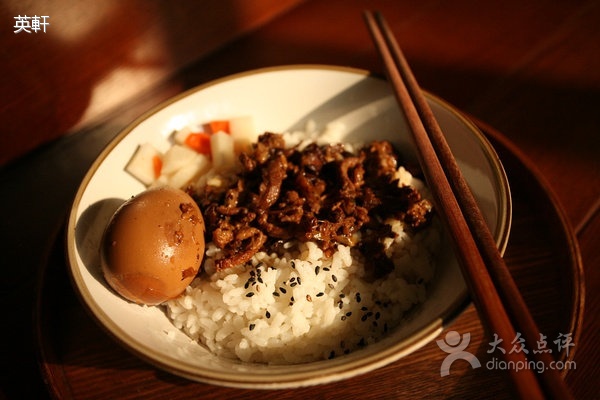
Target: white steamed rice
[(303, 306)]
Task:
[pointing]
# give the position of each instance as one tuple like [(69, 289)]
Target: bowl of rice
[(302, 315)]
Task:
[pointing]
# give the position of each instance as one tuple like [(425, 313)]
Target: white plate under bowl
[(279, 99)]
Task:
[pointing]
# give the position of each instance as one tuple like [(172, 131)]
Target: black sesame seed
[(282, 290), (340, 304), (349, 313), (342, 295), (377, 315), (276, 294), (334, 278), (326, 269), (260, 280), (267, 314), (252, 273), (292, 298), (292, 279), (363, 308), (332, 354), (249, 294), (320, 294), (293, 284), (364, 318), (251, 326), (317, 269), (299, 281), (247, 285), (358, 299), (293, 265)]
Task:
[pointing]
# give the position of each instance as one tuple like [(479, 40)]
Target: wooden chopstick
[(490, 283)]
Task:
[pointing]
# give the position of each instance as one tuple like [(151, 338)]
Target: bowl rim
[(299, 378)]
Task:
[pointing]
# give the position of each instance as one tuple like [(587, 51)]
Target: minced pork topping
[(320, 193)]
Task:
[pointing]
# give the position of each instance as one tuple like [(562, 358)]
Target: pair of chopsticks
[(496, 296)]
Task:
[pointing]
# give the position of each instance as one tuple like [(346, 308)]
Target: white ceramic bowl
[(278, 99)]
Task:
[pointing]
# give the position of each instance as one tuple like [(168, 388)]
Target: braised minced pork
[(320, 193)]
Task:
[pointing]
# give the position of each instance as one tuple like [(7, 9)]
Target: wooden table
[(527, 73)]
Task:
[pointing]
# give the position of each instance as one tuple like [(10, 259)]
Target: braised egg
[(153, 245)]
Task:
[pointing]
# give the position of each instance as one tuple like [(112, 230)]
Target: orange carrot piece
[(199, 142), (157, 166), (218, 125)]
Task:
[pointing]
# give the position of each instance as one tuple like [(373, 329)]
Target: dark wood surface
[(530, 70)]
